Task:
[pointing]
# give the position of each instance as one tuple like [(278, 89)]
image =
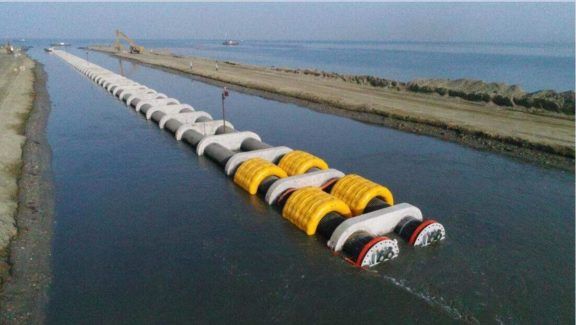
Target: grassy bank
[(16, 98), (26, 201), (453, 117)]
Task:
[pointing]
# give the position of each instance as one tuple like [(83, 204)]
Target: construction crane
[(134, 48)]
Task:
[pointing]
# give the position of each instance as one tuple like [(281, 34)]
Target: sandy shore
[(545, 138), (26, 191)]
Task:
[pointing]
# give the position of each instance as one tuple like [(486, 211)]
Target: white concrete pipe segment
[(129, 93), (183, 118), (315, 178), (167, 109), (118, 90), (106, 77), (111, 81), (136, 98), (204, 128), (270, 154), (379, 222), (147, 103), (113, 85), (231, 141)]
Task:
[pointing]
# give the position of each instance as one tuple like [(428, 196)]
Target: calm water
[(146, 231), (533, 66)]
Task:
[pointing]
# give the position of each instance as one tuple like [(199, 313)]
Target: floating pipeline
[(352, 214)]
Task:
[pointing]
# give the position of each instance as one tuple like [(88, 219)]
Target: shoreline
[(25, 294), (538, 152)]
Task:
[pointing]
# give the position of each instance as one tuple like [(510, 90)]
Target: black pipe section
[(266, 184), (221, 154), (192, 137), (215, 151), (251, 144), (135, 102), (172, 125), (376, 204), (218, 153), (406, 227), (328, 224), (157, 116), (144, 109), (354, 245)]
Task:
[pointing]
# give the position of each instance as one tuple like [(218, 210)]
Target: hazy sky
[(485, 22)]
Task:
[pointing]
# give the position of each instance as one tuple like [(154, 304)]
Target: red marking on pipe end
[(366, 248), (418, 230)]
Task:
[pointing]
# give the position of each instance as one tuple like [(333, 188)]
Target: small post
[(224, 95)]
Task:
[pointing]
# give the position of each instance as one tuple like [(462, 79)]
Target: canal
[(148, 232)]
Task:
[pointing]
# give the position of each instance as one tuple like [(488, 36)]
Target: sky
[(434, 22)]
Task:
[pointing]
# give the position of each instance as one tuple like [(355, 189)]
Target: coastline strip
[(549, 133)]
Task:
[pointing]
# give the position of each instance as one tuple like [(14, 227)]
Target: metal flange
[(232, 141), (269, 154), (206, 128), (317, 178), (377, 223), (184, 118), (167, 109)]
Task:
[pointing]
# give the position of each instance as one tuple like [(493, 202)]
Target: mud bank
[(542, 139), (25, 293)]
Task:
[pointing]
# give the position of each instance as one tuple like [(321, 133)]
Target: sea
[(533, 66)]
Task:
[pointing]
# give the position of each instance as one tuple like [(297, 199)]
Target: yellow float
[(357, 191), (299, 162), (253, 171), (308, 205)]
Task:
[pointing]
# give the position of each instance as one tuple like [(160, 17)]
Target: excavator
[(134, 48)]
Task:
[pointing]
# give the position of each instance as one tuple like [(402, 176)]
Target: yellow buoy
[(357, 191), (252, 172), (308, 205), (299, 162)]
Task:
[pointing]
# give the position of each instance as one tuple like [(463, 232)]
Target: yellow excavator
[(134, 48)]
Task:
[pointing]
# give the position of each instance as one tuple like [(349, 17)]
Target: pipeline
[(357, 218)]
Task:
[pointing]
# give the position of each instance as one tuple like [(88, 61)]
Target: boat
[(60, 44), (230, 42), (49, 49)]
